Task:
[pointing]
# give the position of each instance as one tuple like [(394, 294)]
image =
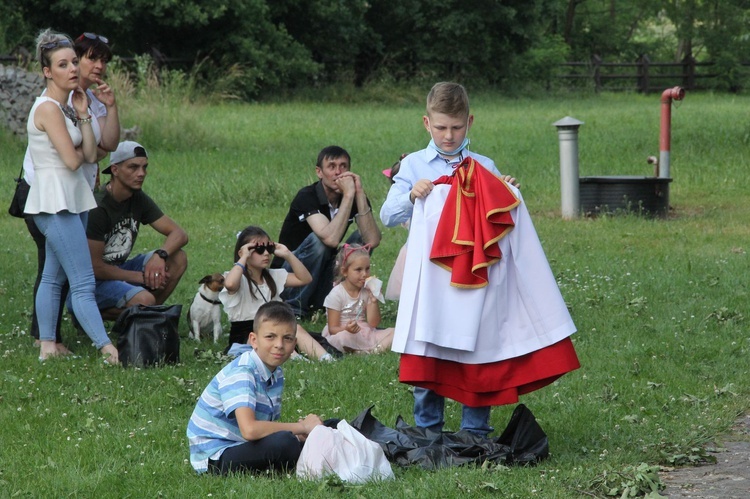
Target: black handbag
[(147, 336), (18, 203)]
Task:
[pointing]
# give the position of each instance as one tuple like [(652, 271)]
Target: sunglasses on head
[(63, 42), (93, 36), (262, 248)]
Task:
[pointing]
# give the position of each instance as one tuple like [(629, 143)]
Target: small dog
[(205, 310)]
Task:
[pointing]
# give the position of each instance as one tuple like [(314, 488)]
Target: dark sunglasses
[(262, 248), (63, 42), (93, 36)]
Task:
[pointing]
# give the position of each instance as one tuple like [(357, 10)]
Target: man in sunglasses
[(122, 206), (317, 222)]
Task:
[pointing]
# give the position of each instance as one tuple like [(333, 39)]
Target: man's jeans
[(429, 408), (319, 260)]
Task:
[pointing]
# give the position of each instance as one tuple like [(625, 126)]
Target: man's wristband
[(369, 210)]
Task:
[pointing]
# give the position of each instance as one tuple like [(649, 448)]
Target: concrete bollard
[(567, 133)]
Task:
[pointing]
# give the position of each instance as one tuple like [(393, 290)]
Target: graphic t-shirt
[(117, 224)]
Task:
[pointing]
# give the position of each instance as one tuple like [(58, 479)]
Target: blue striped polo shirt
[(244, 382)]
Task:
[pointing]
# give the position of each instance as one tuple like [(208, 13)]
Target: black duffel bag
[(148, 335)]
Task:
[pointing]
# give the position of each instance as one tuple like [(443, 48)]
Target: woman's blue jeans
[(68, 258), (429, 408)]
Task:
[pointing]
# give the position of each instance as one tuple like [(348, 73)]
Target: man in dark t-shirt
[(145, 279), (317, 221)]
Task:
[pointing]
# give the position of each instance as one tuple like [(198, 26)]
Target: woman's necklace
[(69, 112), (257, 288)]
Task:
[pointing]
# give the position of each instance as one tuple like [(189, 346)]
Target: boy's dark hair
[(248, 233), (332, 152), (275, 311), (95, 49), (448, 98)]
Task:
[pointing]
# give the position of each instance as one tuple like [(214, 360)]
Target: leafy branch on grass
[(632, 481), (637, 304), (725, 316), (691, 453), (694, 456), (725, 390), (211, 356)]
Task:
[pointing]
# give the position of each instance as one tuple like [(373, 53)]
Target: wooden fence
[(642, 75)]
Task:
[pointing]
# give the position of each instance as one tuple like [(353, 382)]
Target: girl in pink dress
[(352, 305)]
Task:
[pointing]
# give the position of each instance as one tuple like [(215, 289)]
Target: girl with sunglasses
[(250, 284), (61, 140)]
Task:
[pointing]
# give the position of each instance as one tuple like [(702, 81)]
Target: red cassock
[(455, 337)]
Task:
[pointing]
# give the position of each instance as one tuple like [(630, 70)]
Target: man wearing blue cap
[(122, 206)]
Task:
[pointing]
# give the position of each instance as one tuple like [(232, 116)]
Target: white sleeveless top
[(90, 170), (55, 187)]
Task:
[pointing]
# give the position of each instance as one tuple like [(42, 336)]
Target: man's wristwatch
[(162, 254)]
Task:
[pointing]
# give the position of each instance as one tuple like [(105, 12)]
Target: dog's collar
[(215, 302)]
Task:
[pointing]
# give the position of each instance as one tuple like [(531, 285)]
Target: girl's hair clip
[(349, 249)]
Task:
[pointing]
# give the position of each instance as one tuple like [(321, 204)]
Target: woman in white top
[(61, 139), (93, 53)]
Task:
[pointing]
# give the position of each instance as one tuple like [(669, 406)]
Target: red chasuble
[(475, 217)]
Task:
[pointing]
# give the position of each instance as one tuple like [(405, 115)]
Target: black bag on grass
[(148, 335), (523, 442)]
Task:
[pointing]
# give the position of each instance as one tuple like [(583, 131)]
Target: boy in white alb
[(496, 328)]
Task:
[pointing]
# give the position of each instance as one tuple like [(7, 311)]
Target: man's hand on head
[(347, 183), (358, 183)]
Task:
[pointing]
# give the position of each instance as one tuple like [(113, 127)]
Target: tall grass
[(660, 305)]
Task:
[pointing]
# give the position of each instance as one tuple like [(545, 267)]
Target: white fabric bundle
[(345, 452)]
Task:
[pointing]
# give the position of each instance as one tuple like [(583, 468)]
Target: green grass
[(660, 305)]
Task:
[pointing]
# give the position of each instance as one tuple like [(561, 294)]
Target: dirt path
[(728, 478)]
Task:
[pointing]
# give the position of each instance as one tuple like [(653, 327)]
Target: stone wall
[(18, 90)]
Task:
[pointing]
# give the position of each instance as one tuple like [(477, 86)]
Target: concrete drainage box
[(631, 194)]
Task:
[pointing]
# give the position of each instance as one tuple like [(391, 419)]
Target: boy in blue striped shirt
[(235, 424)]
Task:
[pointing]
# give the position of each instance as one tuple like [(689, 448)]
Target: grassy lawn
[(659, 304)]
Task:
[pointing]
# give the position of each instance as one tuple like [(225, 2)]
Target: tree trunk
[(570, 14)]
